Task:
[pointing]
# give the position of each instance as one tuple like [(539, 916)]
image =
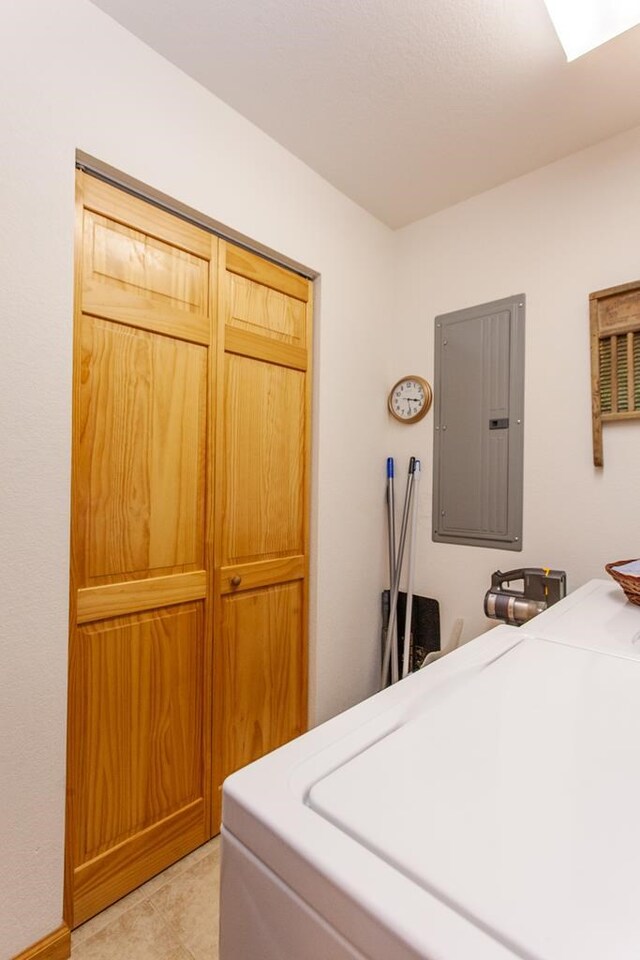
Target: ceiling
[(406, 106)]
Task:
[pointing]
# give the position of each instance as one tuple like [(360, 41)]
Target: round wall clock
[(410, 399)]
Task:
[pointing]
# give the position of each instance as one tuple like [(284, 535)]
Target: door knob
[(236, 581)]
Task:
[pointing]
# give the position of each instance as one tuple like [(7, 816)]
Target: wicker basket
[(630, 584)]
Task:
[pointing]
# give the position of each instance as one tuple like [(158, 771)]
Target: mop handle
[(410, 566), (391, 515), (387, 638), (391, 650)]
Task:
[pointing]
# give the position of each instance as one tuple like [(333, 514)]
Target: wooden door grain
[(190, 534), (262, 497), (262, 655), (140, 674)]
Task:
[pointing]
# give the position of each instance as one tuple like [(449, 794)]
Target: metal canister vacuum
[(542, 587)]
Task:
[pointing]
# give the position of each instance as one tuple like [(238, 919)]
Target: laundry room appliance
[(484, 808)]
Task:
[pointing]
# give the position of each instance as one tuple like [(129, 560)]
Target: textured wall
[(556, 235), (71, 78)]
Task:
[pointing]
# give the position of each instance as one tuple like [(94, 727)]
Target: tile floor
[(172, 917)]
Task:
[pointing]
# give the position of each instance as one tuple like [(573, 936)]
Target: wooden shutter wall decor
[(615, 358)]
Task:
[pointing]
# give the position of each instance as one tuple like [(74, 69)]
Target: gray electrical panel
[(479, 424)]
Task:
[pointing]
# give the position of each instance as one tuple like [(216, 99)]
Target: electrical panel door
[(479, 422)]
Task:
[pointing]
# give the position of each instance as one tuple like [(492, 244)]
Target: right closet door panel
[(262, 503), (262, 653), (264, 439)]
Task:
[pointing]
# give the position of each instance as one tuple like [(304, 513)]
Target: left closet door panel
[(139, 777)]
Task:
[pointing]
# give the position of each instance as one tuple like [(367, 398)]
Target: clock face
[(410, 399)]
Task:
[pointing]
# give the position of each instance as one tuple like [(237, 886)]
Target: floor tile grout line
[(166, 926), (116, 919), (145, 900), (172, 929)]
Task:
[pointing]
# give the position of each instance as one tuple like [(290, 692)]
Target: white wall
[(556, 235), (71, 78)]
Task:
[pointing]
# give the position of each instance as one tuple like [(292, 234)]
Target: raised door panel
[(267, 312), (141, 453), (262, 643), (140, 710), (139, 265), (263, 462), (135, 278)]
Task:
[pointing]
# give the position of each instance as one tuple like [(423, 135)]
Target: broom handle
[(391, 634), (391, 654), (410, 565)]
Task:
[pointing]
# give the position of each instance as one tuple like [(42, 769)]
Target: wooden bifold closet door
[(262, 490), (190, 435)]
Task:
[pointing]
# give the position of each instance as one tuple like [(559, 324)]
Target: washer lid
[(516, 801)]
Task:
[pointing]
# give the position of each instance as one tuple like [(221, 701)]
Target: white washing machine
[(485, 808)]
